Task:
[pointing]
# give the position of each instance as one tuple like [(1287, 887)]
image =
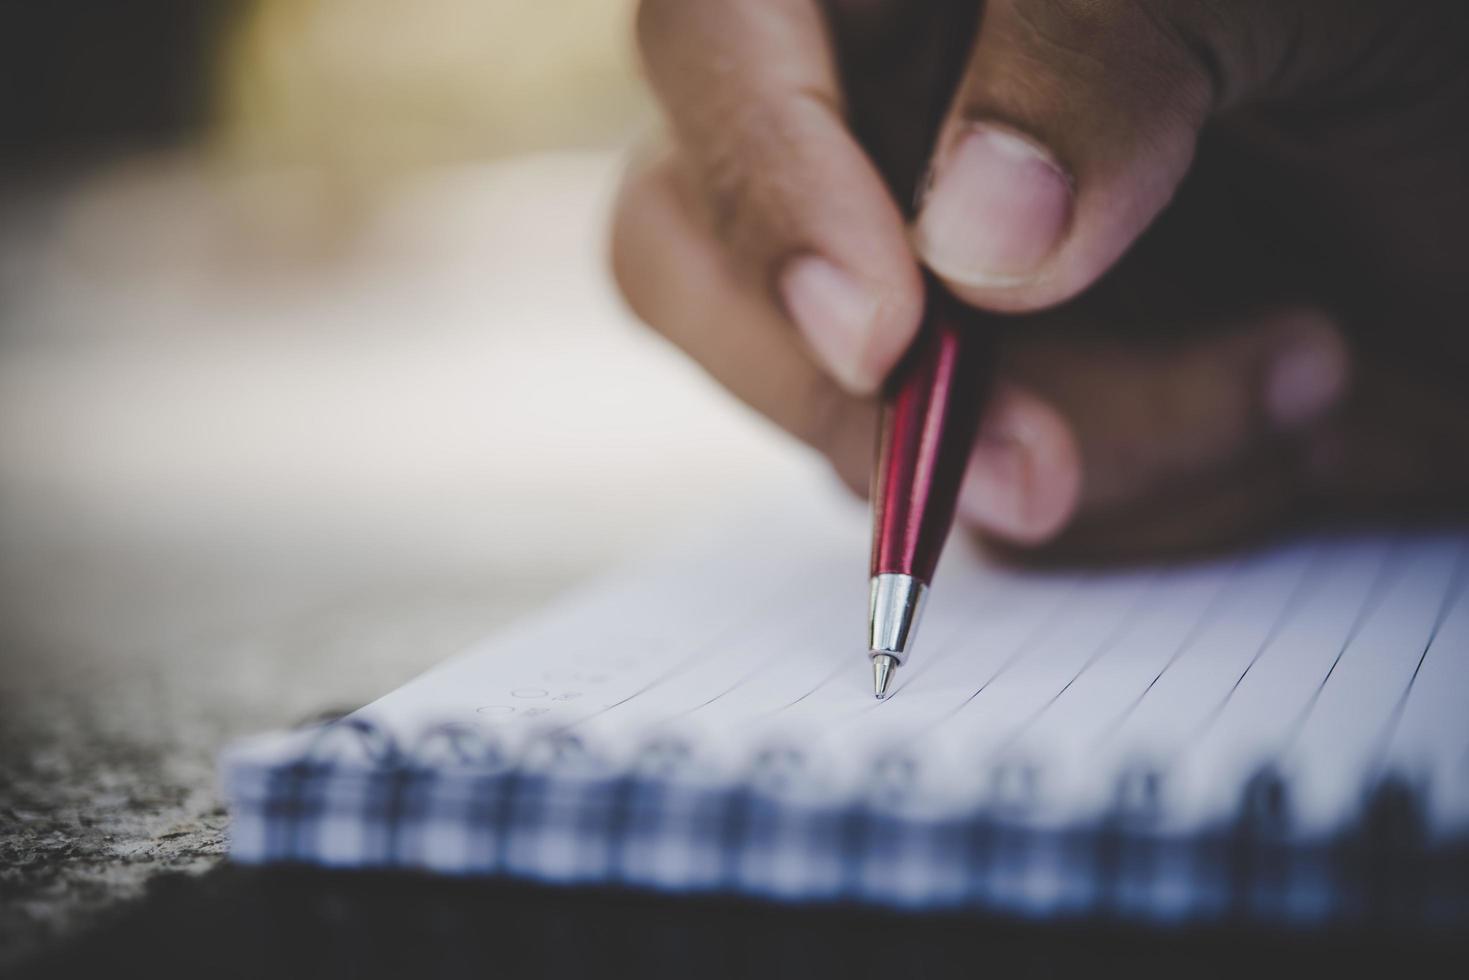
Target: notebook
[(1277, 736)]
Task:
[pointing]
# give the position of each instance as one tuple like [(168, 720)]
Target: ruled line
[(1305, 584), (1453, 595), (1032, 640), (701, 653), (1109, 643), (1377, 592), (955, 644), (1216, 605)]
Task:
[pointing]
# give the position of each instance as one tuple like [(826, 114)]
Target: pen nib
[(883, 667)]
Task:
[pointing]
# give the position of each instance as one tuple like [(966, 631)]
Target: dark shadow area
[(79, 77), (236, 922)]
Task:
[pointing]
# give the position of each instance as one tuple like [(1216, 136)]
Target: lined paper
[(1330, 660)]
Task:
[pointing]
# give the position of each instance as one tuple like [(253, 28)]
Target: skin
[(1225, 240)]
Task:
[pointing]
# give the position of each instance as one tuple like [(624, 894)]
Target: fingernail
[(998, 207), (1305, 382), (835, 313), (992, 495)]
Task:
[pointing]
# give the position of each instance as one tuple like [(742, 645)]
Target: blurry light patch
[(377, 86)]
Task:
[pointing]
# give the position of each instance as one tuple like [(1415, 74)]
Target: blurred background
[(310, 373)]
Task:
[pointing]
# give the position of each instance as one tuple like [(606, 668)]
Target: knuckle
[(1074, 32), (753, 175), (1071, 18), (1143, 47), (658, 24), (642, 193), (733, 197), (824, 416), (1217, 416)]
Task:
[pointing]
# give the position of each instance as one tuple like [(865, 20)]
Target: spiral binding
[(457, 800)]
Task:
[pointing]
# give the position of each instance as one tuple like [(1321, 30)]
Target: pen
[(933, 399), (930, 416)]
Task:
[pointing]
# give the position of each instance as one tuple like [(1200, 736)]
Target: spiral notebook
[(1278, 736)]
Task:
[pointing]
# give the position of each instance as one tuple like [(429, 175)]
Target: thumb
[(1074, 124)]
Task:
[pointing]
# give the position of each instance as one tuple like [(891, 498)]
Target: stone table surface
[(267, 450)]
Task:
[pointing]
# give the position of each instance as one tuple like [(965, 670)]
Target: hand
[(1237, 231)]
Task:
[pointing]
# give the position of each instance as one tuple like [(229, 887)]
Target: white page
[(1301, 656)]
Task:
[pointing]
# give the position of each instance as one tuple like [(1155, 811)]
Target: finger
[(752, 95), (1401, 446), (1204, 517), (676, 278), (1145, 419), (1023, 478), (1077, 120), (1071, 129)]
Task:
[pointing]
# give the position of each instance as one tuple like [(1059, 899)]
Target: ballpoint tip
[(883, 666)]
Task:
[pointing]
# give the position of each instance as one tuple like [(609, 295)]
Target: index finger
[(752, 94)]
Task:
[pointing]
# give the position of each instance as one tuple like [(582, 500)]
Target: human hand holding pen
[(1196, 204)]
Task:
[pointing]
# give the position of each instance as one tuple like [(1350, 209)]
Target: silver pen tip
[(883, 667)]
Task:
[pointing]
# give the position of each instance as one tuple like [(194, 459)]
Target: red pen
[(933, 400), (930, 416)]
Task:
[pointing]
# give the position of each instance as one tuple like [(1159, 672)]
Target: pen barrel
[(930, 417)]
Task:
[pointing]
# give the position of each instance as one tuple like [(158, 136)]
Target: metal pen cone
[(883, 668), (897, 603)]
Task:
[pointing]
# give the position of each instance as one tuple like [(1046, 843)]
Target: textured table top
[(266, 453)]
